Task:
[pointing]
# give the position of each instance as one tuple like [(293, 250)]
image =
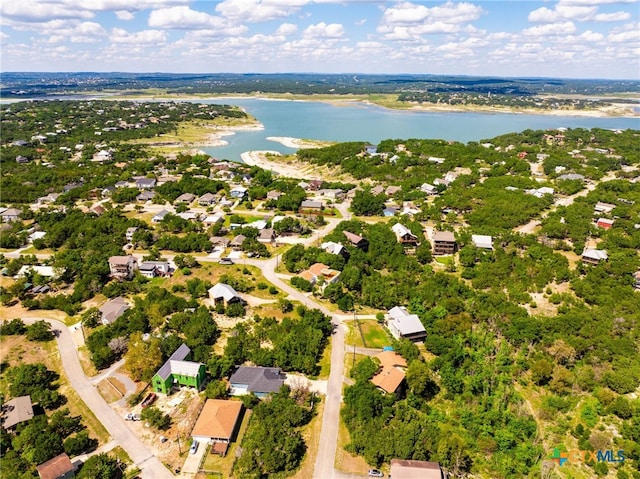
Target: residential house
[(482, 241), (540, 192), (129, 233), (98, 209), (145, 183), (390, 377), (178, 372), (185, 198), (50, 198), (60, 467), (22, 159), (311, 205), (371, 150), (158, 217), (102, 156), (594, 256), (258, 224), (122, 184), (315, 185), (334, 194), (392, 190), (218, 421), (30, 269), (152, 269), (36, 235), (604, 223), (267, 235), (258, 380), (208, 199), (356, 240), (429, 189), (123, 267), (390, 211), (404, 235), (410, 469), (444, 242), (10, 215), (377, 190), (225, 294), (113, 309), (16, 411), (435, 159), (320, 271), (274, 195), (188, 215), (403, 324), (146, 195), (333, 248), (219, 241), (571, 176), (213, 219), (236, 243), (238, 192), (605, 208)]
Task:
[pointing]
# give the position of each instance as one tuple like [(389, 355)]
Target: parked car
[(149, 400), (194, 447), (226, 261), (375, 473)]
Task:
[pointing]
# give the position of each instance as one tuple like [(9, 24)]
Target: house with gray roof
[(258, 380), (176, 372), (404, 325), (16, 411), (113, 309)]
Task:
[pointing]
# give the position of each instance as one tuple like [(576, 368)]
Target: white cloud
[(551, 29), (258, 10), (32, 10), (144, 37), (322, 30), (409, 21), (124, 15), (182, 18), (287, 29), (576, 10), (3, 35)]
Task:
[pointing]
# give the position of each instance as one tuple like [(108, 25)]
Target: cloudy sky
[(557, 38)]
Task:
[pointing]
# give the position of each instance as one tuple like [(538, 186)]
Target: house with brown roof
[(207, 199), (123, 267), (390, 376), (267, 235), (444, 242), (320, 271), (218, 421), (356, 240), (16, 411), (60, 467), (185, 198), (403, 469)]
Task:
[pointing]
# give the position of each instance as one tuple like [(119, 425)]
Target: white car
[(194, 447), (375, 473)]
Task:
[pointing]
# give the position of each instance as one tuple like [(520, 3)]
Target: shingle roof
[(443, 236), (56, 467), (258, 379), (217, 419), (16, 411)]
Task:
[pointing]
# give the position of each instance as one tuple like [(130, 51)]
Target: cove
[(354, 121)]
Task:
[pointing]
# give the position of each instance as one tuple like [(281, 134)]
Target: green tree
[(143, 358), (100, 466)]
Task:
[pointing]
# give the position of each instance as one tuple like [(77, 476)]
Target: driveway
[(150, 465)]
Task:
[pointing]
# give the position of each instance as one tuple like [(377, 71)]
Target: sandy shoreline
[(293, 170), (298, 143)]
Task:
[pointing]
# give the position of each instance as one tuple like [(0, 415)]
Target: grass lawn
[(375, 335), (216, 465)]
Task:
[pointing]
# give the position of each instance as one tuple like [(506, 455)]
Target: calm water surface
[(360, 122)]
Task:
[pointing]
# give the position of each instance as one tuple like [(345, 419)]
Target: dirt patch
[(184, 407), (111, 389), (18, 311)]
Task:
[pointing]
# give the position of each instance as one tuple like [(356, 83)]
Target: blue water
[(361, 122)]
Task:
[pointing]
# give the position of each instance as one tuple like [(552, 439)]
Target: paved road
[(150, 465)]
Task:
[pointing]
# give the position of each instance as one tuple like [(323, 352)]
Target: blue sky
[(555, 38)]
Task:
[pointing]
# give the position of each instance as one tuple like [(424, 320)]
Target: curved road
[(150, 465)]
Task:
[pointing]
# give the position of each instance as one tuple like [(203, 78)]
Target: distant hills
[(38, 85)]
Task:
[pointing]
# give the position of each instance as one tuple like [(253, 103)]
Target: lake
[(355, 121)]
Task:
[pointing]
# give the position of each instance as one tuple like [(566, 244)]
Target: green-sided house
[(178, 372)]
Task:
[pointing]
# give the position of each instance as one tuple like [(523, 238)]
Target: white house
[(403, 324), (482, 241)]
